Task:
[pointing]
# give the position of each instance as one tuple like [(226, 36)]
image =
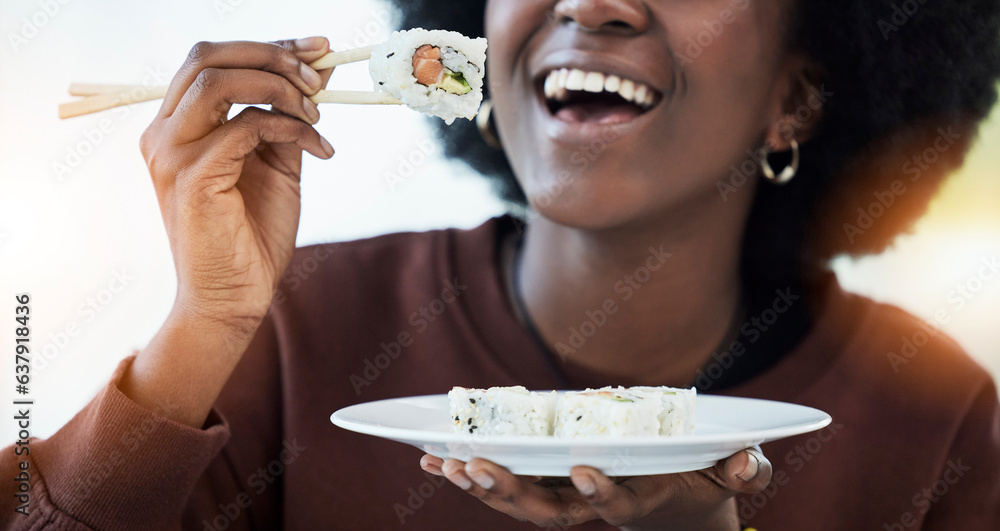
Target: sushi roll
[(607, 412), (501, 411), (436, 72), (676, 416)]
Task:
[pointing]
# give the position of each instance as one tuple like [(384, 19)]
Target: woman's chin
[(584, 211), (615, 197)]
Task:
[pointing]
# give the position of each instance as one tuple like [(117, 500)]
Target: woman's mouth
[(579, 96)]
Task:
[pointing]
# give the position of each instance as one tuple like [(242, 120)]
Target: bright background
[(65, 235)]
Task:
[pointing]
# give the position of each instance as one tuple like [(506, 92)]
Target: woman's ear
[(798, 104)]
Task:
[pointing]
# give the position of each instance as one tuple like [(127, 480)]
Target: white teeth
[(560, 82), (640, 94), (627, 90), (594, 82), (577, 79), (561, 79), (612, 83)]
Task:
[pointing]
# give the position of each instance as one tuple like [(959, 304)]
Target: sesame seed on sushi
[(501, 411), (437, 72), (607, 412)]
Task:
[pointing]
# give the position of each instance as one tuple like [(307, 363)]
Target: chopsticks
[(333, 59), (116, 96), (101, 97)]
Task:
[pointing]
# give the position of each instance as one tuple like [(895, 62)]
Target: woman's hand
[(229, 190), (694, 500), (229, 195)]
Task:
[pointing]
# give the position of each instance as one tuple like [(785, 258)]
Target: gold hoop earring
[(487, 129), (788, 173)]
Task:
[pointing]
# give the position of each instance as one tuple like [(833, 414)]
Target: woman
[(655, 223)]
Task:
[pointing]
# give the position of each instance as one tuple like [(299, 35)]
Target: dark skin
[(229, 193), (654, 185), (599, 230)]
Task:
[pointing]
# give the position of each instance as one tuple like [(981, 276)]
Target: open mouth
[(578, 96)]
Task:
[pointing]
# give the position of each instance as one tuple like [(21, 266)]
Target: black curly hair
[(902, 73)]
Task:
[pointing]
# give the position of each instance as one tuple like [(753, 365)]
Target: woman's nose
[(616, 16)]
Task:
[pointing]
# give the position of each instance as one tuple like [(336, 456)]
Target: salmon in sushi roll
[(438, 72)]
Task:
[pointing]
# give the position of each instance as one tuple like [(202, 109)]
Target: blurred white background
[(81, 232)]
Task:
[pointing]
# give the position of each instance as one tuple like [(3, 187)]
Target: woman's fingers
[(595, 495), (432, 465), (280, 59), (241, 135), (325, 76), (516, 496), (746, 472), (632, 500), (309, 49), (215, 90), (454, 470), (622, 503)]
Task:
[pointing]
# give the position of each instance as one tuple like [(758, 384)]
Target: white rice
[(676, 416), (391, 68), (501, 411), (606, 412)]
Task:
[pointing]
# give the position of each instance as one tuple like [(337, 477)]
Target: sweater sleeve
[(966, 494), (117, 465)]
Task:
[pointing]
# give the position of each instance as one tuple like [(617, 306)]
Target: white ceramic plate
[(724, 426)]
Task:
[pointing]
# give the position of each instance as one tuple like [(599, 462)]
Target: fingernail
[(483, 479), (429, 468), (312, 111), (327, 148), (309, 44), (455, 476), (586, 486), (310, 76), (751, 470), (461, 482)]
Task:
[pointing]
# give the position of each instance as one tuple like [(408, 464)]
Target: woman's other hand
[(693, 500)]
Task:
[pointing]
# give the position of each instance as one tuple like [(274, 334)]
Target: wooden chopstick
[(355, 97), (110, 100), (101, 97), (333, 59), (138, 93)]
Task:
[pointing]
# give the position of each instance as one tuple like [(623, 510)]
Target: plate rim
[(434, 437)]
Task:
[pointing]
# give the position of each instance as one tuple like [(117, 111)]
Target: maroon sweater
[(914, 443)]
